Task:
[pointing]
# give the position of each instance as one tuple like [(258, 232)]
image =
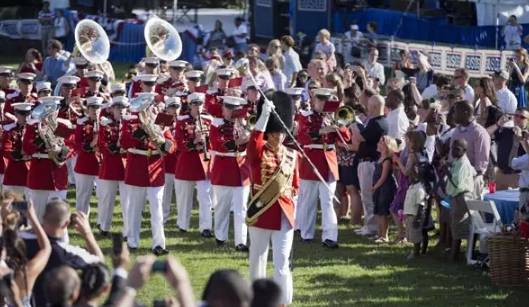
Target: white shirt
[(430, 92), (354, 38), (291, 63), (241, 29), (60, 26), (522, 164), (376, 70), (279, 79), (506, 100), (469, 94), (398, 123)]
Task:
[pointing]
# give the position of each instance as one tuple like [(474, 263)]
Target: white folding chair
[(479, 227)]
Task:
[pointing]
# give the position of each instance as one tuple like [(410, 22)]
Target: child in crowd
[(397, 205), (460, 187), (385, 185), (416, 195)]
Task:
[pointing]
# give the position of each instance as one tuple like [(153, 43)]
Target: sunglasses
[(69, 86), (151, 65), (322, 97), (45, 91), (178, 68), (94, 79), (25, 81), (224, 77), (96, 107), (148, 83), (519, 116), (193, 79)]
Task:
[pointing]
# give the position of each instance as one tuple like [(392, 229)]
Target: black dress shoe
[(159, 251), (330, 244), (182, 230), (242, 248), (220, 243), (103, 232), (206, 233), (124, 239)]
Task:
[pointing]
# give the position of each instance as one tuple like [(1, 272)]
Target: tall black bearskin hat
[(283, 107)]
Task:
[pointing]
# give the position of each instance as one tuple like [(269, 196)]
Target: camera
[(159, 266), (158, 303)]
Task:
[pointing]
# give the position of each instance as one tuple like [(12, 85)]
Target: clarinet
[(205, 139)]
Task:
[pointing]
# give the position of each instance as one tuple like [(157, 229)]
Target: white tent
[(488, 10)]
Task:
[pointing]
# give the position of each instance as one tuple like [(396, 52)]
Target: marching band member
[(2, 121), (16, 170), (223, 80), (192, 166), (296, 94), (87, 164), (6, 75), (148, 85), (81, 65), (176, 77), (229, 173), (24, 92), (172, 104), (150, 69), (111, 174), (275, 178), (117, 89), (94, 78), (144, 174), (318, 138), (43, 89), (47, 176), (193, 80)]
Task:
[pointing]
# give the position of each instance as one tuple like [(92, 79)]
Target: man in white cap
[(193, 80), (150, 69), (111, 174), (6, 76), (16, 170), (229, 173), (81, 66), (87, 164), (318, 140), (24, 93), (47, 176), (176, 77), (192, 166), (144, 176), (94, 78), (354, 36), (172, 104), (43, 88), (117, 89), (296, 93), (223, 80)]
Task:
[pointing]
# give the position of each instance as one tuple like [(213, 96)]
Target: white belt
[(141, 152), (228, 154), (40, 156), (319, 146)]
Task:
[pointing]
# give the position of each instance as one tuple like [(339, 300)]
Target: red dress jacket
[(87, 161), (227, 170), (190, 164), (16, 171), (309, 124), (112, 164), (15, 97), (143, 170), (44, 174), (260, 158)]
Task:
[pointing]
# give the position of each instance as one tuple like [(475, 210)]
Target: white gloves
[(262, 121)]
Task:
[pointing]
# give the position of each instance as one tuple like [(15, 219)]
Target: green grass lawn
[(359, 273)]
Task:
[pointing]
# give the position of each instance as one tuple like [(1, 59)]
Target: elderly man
[(364, 142)]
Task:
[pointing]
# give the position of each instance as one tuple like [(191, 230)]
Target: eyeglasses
[(224, 77)]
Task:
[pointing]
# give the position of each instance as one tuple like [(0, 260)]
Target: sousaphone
[(162, 39), (92, 41)]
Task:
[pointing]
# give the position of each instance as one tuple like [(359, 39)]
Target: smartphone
[(158, 303), (117, 244), (159, 266), (20, 205)]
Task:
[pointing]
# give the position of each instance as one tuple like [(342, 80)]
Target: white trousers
[(84, 185), (106, 194), (281, 246), (184, 203), (365, 179), (227, 198), (40, 198), (70, 165), (168, 195), (16, 189), (137, 196), (309, 192)]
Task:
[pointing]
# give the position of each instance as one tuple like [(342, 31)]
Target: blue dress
[(518, 88)]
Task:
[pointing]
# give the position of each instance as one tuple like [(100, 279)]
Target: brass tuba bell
[(162, 39), (92, 41), (344, 116)]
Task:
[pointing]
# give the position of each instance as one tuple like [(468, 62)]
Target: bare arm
[(386, 168), (82, 226), (36, 264)]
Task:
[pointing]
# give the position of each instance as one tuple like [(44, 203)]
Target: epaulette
[(217, 121), (182, 117), (206, 117), (105, 121), (82, 120), (13, 94), (10, 126), (305, 113)]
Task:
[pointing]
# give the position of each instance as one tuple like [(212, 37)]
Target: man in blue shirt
[(54, 65)]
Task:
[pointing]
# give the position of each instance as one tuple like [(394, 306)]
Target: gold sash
[(277, 185)]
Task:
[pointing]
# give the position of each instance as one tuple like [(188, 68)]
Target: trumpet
[(250, 122), (205, 138), (344, 116)]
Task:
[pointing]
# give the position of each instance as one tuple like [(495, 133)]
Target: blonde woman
[(326, 47), (519, 68), (274, 51)]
